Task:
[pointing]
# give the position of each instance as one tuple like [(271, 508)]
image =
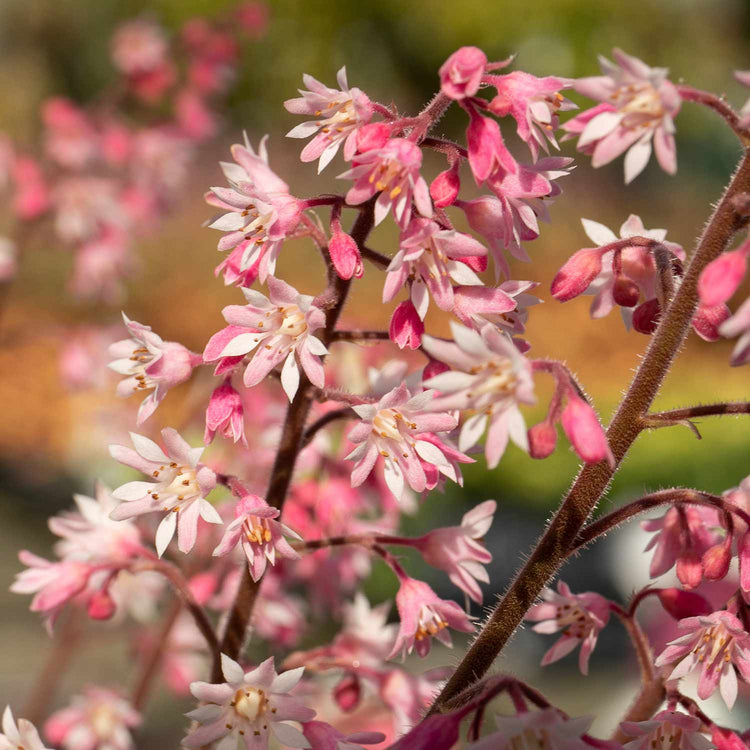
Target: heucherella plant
[(316, 440)]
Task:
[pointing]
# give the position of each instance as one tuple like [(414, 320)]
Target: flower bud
[(716, 562), (347, 693), (462, 72), (444, 188), (542, 440), (371, 136), (584, 431), (101, 606), (681, 604), (345, 256), (721, 277), (646, 316), (625, 292), (225, 414), (707, 320), (406, 327), (576, 275)]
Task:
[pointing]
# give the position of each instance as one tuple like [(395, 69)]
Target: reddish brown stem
[(718, 105)]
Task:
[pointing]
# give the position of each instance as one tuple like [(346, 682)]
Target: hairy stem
[(557, 541)]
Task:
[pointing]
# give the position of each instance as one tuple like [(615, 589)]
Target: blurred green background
[(52, 442)]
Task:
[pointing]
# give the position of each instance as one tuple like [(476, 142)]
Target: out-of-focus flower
[(284, 322), (178, 488), (637, 108), (322, 736), (580, 616), (70, 138), (21, 736), (139, 46), (461, 73), (225, 413), (341, 113), (248, 706), (683, 730)]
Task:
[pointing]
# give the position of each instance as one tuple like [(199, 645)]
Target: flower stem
[(557, 541)]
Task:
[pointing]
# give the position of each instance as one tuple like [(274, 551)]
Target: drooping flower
[(322, 736), (580, 616), (392, 171), (684, 732), (533, 103), (585, 432), (21, 736), (100, 719), (256, 529), (716, 643), (461, 73), (430, 259), (458, 550), (392, 429), (637, 108), (489, 379), (225, 414), (259, 208), (148, 362), (284, 322), (178, 487), (424, 615), (341, 113), (406, 327), (248, 706)]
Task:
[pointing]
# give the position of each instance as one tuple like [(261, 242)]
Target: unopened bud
[(707, 320), (721, 277), (625, 292), (681, 604), (716, 562), (444, 188), (584, 431), (345, 256), (576, 275), (101, 606), (406, 327), (542, 440), (646, 316)]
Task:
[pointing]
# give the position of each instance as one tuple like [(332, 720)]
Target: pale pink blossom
[(160, 160), (533, 103), (430, 259), (32, 194), (178, 487), (424, 616), (392, 171), (739, 325), (85, 206), (232, 270), (100, 265), (100, 719), (339, 114), (283, 325), (258, 532), (580, 616), (70, 139), (225, 414), (637, 108), (259, 208), (392, 428), (461, 73), (149, 362), (458, 550), (248, 706), (322, 736), (715, 643), (20, 736), (488, 378), (684, 732), (139, 46)]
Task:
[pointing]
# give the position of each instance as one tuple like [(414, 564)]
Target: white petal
[(242, 344), (472, 431), (165, 532), (284, 682), (636, 159), (290, 376), (394, 478), (231, 670), (316, 346), (148, 448), (598, 233), (430, 453), (288, 735)]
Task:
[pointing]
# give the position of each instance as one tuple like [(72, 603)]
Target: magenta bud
[(345, 256), (347, 693), (542, 440), (625, 292), (434, 367), (406, 327), (743, 550), (444, 188), (721, 277), (707, 320), (716, 561), (575, 275), (477, 263), (646, 316), (371, 136), (681, 604), (584, 431), (101, 606)]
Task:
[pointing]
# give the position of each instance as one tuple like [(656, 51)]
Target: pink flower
[(684, 535), (489, 378), (462, 72), (533, 103), (345, 255), (70, 138), (444, 188), (100, 719), (585, 432), (392, 171), (429, 258), (683, 729), (284, 323), (638, 107), (717, 643), (739, 325), (580, 616), (458, 550), (179, 486), (720, 278), (149, 362), (392, 429), (225, 413), (249, 706), (322, 736), (424, 615), (139, 46), (406, 326), (32, 197), (341, 111), (23, 736), (259, 205), (256, 529), (488, 154)]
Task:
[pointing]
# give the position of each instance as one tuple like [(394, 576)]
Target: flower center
[(430, 623), (141, 358), (257, 530), (293, 322), (340, 117), (250, 703), (103, 721), (536, 738), (391, 425), (498, 377), (574, 617), (638, 103), (714, 646), (184, 483), (666, 736), (388, 172)]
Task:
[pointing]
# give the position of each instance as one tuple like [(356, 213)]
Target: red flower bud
[(681, 604), (444, 188), (101, 606), (625, 292), (345, 256), (584, 431), (575, 276), (646, 316), (716, 562), (406, 327), (707, 320), (689, 570), (347, 693), (542, 440)]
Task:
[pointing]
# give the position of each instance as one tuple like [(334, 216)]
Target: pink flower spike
[(258, 206), (720, 278), (462, 72), (255, 528), (458, 550), (585, 432), (392, 171), (345, 255), (178, 487), (580, 616), (225, 413), (715, 643), (250, 706), (393, 428), (342, 113), (148, 362), (19, 736), (406, 326), (284, 322), (685, 731), (424, 615), (322, 736)]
